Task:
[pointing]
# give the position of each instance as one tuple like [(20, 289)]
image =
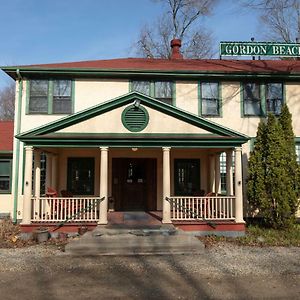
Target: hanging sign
[(259, 49)]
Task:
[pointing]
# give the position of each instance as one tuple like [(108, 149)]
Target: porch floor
[(134, 219)]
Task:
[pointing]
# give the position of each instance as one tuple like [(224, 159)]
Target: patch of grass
[(260, 236)]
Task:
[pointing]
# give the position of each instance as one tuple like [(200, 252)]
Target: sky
[(48, 31)]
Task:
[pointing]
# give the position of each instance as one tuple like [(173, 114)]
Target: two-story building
[(140, 134)]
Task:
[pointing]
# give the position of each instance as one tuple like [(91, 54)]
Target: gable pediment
[(108, 119)]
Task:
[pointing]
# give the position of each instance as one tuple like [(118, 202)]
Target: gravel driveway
[(224, 271)]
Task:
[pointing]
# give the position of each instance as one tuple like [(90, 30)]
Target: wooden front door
[(134, 183)]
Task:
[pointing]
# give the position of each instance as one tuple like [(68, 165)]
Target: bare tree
[(181, 19), (7, 102), (281, 17)]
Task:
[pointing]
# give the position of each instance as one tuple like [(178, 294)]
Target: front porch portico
[(196, 207), (183, 177)]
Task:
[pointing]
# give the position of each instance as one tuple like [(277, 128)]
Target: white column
[(37, 173), (166, 185), (229, 174), (217, 175), (103, 185), (54, 172), (27, 185), (48, 170), (238, 186), (211, 173)]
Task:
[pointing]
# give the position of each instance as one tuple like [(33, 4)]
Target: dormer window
[(161, 90), (50, 97)]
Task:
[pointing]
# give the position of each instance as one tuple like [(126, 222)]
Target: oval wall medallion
[(134, 118)]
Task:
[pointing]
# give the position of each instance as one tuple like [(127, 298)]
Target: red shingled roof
[(201, 65), (6, 135)]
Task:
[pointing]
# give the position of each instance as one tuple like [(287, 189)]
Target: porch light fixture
[(137, 103), (134, 149)]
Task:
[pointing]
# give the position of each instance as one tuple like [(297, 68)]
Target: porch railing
[(202, 208), (59, 209)]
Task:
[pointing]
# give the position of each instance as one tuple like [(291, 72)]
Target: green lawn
[(259, 236)]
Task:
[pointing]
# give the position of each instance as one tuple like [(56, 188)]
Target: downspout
[(17, 155)]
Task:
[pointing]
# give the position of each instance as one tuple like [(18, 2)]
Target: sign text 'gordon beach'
[(261, 49)]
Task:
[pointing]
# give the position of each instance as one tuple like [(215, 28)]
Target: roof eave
[(129, 73)]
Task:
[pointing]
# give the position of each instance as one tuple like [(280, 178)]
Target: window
[(141, 86), (252, 99), (223, 174), (50, 97), (5, 175), (62, 102), (187, 177), (38, 96), (210, 99), (274, 97), (80, 179), (298, 153), (161, 90)]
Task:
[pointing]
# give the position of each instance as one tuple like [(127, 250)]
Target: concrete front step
[(165, 229), (131, 244)]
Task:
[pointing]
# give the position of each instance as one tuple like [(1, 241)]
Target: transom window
[(50, 97), (5, 175), (161, 90), (274, 97), (187, 177), (210, 102), (252, 99)]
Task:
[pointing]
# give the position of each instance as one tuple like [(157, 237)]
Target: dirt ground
[(221, 272)]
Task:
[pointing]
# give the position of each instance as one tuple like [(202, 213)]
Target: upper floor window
[(141, 86), (252, 99), (260, 99), (274, 97), (50, 97), (161, 90), (210, 102), (38, 101), (5, 175)]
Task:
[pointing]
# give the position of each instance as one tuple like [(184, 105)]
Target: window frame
[(297, 151), (266, 98), (261, 96), (219, 100), (84, 162), (152, 90), (50, 97), (186, 161), (9, 159)]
